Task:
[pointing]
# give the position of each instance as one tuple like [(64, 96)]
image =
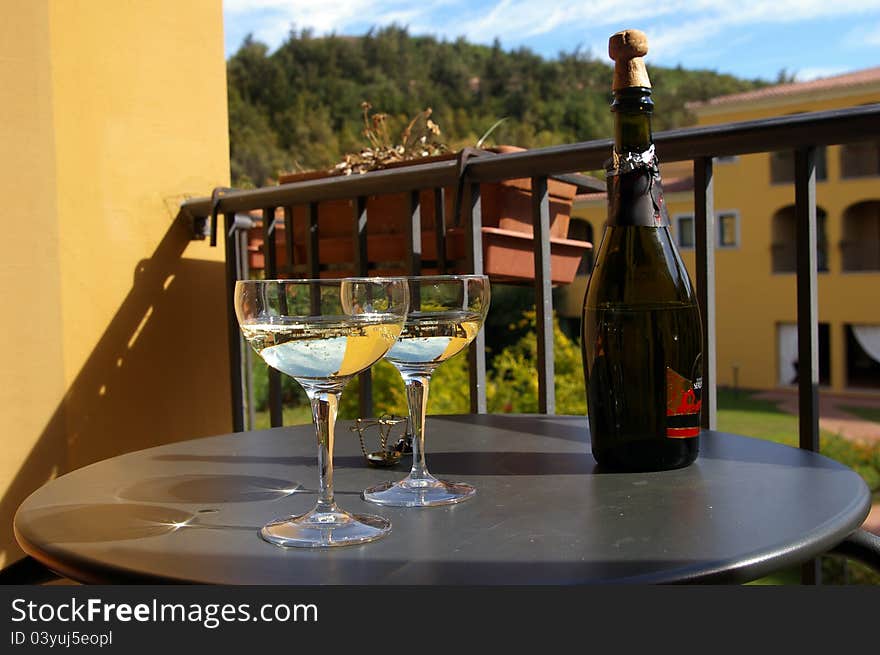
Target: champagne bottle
[(641, 332)]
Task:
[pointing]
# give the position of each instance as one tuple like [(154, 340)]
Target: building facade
[(114, 321), (755, 243)]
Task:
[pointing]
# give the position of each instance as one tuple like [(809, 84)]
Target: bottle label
[(635, 191), (683, 403)]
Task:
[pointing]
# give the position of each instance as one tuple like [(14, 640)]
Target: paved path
[(835, 419)]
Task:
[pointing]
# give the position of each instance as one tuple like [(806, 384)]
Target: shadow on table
[(95, 523), (350, 566), (713, 446), (125, 396), (464, 463), (561, 427), (209, 489)]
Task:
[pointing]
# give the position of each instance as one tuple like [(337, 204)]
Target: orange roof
[(854, 79)]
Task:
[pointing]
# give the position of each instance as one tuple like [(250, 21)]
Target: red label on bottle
[(683, 405)]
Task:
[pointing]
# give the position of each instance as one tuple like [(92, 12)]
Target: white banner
[(787, 347), (868, 337)]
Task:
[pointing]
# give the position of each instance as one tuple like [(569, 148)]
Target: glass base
[(415, 492), (325, 529)]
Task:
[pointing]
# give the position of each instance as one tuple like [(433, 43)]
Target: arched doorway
[(860, 246), (783, 245)]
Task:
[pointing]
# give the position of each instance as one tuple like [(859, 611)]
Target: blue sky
[(749, 38)]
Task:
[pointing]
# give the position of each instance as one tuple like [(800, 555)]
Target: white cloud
[(674, 25), (862, 36), (816, 72)]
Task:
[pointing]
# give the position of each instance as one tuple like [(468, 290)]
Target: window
[(787, 352), (782, 166), (860, 159), (728, 230), (860, 245), (783, 247), (684, 230), (863, 356)]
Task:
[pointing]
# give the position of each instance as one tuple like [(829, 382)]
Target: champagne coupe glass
[(446, 312), (322, 333)]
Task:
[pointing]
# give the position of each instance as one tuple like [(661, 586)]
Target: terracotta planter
[(507, 231)]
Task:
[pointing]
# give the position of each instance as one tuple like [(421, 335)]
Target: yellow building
[(755, 243), (114, 322)]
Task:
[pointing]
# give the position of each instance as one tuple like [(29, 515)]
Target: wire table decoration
[(386, 456)]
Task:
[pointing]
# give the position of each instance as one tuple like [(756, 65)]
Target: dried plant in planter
[(418, 140), (507, 232)]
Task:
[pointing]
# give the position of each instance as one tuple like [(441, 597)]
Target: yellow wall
[(751, 299), (113, 321)]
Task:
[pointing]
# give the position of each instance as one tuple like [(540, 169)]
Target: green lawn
[(300, 415), (740, 412)]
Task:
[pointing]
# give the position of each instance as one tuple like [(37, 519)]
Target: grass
[(298, 415), (742, 413)]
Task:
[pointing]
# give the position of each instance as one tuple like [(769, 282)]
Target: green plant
[(513, 385), (448, 394), (292, 393)]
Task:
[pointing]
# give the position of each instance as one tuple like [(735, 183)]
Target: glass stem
[(417, 400), (324, 407)]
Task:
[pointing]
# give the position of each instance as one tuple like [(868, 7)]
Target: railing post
[(313, 263), (232, 331), (807, 298), (270, 254), (543, 295), (247, 355), (361, 269), (704, 232), (414, 235), (440, 228), (807, 315), (288, 240), (473, 245)]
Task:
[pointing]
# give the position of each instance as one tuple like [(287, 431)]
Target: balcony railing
[(802, 134)]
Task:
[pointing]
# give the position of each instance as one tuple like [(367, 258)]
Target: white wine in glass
[(446, 312), (322, 333)]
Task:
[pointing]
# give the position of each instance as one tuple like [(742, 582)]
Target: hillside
[(300, 107)]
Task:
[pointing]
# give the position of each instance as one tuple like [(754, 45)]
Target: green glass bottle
[(641, 331)]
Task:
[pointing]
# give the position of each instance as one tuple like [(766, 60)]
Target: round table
[(543, 514)]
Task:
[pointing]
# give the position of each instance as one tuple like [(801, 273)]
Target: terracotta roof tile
[(854, 79)]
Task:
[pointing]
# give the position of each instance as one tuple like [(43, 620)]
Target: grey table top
[(190, 511)]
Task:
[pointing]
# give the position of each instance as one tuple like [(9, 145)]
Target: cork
[(627, 49)]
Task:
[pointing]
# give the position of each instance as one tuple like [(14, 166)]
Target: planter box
[(507, 231)]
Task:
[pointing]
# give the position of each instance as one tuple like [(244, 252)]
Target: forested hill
[(300, 107)]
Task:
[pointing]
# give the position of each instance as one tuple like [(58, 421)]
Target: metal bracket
[(861, 545), (216, 195)]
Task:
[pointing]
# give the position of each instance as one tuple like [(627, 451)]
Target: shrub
[(513, 384)]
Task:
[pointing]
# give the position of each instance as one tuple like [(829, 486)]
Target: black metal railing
[(801, 134)]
